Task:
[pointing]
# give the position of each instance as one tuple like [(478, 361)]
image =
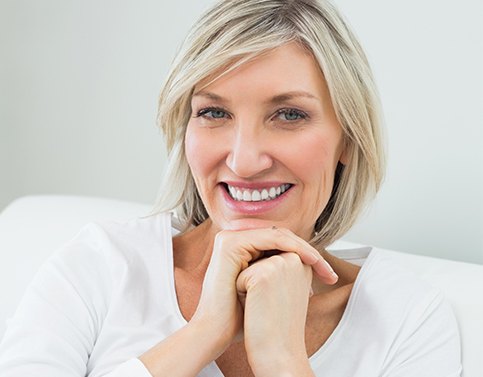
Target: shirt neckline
[(170, 269), (351, 303)]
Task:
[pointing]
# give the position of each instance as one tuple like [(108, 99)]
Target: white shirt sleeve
[(431, 345), (57, 322)]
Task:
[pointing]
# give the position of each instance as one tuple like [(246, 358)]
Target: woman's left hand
[(275, 293)]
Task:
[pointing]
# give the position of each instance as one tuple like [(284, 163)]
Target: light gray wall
[(79, 82), (428, 60)]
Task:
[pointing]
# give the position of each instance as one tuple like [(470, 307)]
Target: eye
[(292, 115), (211, 113)]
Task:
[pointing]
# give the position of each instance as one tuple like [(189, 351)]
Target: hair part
[(232, 33)]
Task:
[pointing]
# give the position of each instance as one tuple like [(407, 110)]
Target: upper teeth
[(250, 195)]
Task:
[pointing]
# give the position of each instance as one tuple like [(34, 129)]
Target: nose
[(249, 153)]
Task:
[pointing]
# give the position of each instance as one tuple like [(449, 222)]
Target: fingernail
[(330, 269), (311, 292)]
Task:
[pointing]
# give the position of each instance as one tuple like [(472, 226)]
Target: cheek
[(315, 156), (315, 167), (190, 146), (195, 149), (201, 152)]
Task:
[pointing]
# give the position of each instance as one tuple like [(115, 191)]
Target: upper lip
[(255, 185)]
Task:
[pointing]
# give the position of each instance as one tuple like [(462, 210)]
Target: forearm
[(184, 353), (288, 367)]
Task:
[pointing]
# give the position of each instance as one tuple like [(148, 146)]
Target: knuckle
[(284, 244), (222, 236), (260, 276), (293, 258), (293, 261), (277, 260)]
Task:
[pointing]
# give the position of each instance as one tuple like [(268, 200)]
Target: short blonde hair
[(231, 33)]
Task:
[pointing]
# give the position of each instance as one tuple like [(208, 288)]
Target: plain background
[(79, 82)]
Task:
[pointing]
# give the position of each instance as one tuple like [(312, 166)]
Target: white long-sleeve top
[(108, 296)]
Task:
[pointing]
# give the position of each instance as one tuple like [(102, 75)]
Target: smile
[(253, 195)]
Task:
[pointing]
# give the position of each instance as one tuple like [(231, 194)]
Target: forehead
[(287, 67)]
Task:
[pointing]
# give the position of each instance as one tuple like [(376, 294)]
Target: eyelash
[(202, 112)]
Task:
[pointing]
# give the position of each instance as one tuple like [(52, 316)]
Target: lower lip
[(252, 208)]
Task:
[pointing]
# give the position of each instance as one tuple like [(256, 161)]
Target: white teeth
[(256, 196), (250, 195), (264, 194)]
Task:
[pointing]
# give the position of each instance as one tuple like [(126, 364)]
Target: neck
[(192, 249)]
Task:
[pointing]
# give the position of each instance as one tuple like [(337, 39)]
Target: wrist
[(282, 365), (213, 337), (191, 343), (299, 370)]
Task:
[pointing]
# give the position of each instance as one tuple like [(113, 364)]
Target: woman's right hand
[(219, 308)]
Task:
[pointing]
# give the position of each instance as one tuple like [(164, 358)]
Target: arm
[(56, 324), (189, 350)]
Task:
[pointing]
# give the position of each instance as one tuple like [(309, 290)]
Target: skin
[(253, 315)]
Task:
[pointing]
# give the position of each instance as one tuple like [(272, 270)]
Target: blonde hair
[(231, 33)]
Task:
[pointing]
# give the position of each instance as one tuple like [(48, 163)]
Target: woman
[(272, 123)]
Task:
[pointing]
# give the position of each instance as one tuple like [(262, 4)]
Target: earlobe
[(345, 155)]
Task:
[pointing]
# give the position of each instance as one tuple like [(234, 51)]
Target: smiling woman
[(257, 148), (273, 127), (228, 37)]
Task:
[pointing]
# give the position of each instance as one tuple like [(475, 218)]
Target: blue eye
[(216, 113), (292, 114)]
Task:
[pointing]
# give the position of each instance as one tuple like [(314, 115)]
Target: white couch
[(31, 228)]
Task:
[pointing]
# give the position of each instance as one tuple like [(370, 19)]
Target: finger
[(266, 270), (320, 266), (255, 241), (242, 296)]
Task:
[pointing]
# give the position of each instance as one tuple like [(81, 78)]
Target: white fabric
[(33, 227), (108, 296)]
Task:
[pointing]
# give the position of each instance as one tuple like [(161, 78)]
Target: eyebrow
[(274, 100)]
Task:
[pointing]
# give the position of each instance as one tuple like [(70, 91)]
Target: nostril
[(248, 163)]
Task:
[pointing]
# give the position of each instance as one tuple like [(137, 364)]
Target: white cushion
[(31, 228)]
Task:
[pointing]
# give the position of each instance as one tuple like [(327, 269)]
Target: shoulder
[(109, 248), (108, 236), (384, 285)]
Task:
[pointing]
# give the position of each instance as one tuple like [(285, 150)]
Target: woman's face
[(263, 143)]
